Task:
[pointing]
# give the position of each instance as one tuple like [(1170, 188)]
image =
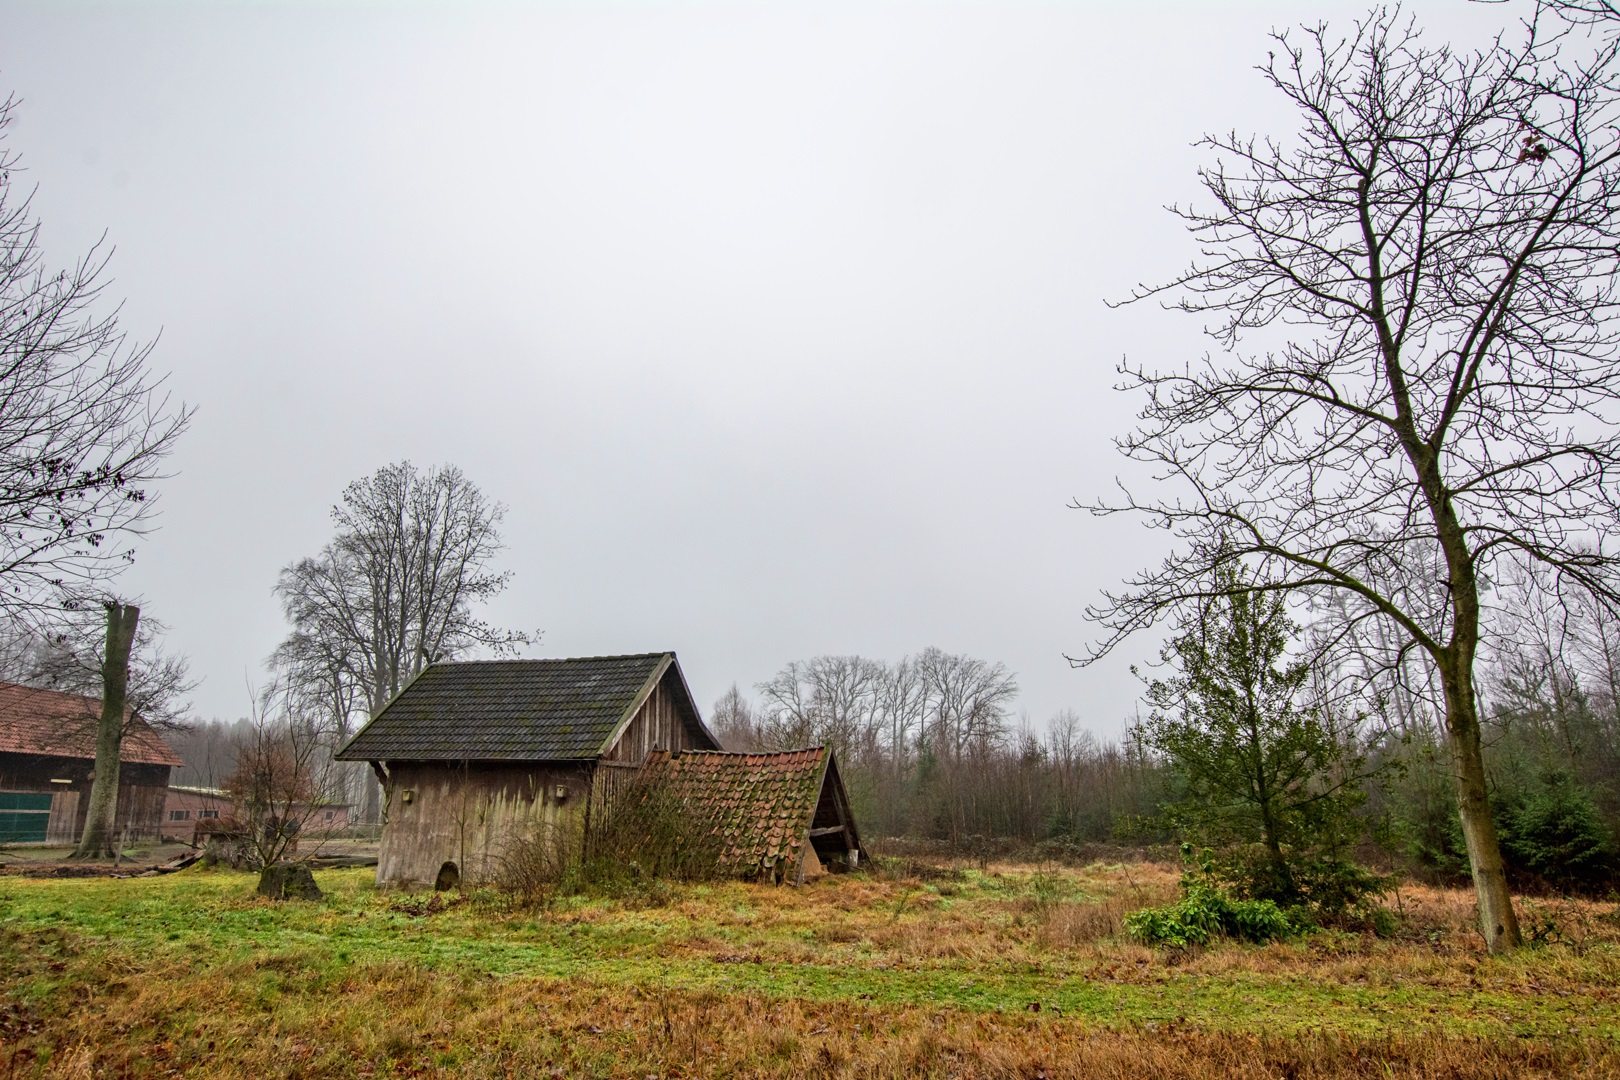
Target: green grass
[(716, 938), (194, 968)]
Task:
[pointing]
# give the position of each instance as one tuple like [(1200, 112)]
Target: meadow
[(915, 970)]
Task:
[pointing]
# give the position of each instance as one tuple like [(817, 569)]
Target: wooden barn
[(48, 759), (472, 755)]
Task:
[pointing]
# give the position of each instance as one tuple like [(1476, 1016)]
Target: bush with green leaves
[(1550, 826), (1203, 913)]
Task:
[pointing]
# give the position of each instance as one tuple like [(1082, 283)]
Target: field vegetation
[(916, 969)]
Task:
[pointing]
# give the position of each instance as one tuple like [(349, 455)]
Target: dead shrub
[(632, 851), (1441, 918), (906, 868), (647, 835), (533, 867), (838, 934), (1070, 924)]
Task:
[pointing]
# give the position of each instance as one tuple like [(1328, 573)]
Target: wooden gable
[(666, 719)]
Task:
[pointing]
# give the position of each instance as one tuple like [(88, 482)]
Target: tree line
[(929, 746)]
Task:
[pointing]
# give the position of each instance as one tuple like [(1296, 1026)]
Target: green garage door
[(23, 817)]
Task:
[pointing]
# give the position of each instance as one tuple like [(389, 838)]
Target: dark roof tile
[(508, 710)]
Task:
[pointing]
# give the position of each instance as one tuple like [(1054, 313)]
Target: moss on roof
[(509, 710)]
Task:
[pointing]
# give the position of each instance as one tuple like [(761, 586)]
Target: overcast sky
[(780, 328)]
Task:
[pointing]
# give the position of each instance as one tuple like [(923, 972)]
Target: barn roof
[(513, 710), (761, 808), (54, 724)]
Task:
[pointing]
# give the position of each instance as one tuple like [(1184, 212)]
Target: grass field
[(1003, 972)]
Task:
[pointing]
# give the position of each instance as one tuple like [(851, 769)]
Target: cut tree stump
[(288, 881)]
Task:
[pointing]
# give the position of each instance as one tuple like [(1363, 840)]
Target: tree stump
[(288, 881), (229, 848)]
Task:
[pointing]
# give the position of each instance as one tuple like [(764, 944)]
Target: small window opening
[(449, 878)]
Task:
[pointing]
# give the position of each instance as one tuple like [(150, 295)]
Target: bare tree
[(1582, 12), (902, 710), (735, 722), (84, 430), (283, 775), (934, 752), (101, 815), (84, 426), (396, 589), (208, 749), (1414, 303), (69, 655), (968, 701)]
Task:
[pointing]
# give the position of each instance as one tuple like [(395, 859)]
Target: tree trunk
[(1455, 661), (100, 823), (1497, 920)]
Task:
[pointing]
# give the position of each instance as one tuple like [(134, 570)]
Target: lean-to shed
[(472, 754), (782, 816)]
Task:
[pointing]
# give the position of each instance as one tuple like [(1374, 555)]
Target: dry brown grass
[(701, 987), (435, 1027)]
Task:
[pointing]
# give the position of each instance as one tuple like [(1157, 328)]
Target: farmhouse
[(47, 762), (190, 810), (191, 814), (472, 755)]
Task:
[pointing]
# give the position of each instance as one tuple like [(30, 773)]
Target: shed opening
[(449, 878)]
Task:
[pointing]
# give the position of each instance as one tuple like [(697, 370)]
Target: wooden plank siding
[(662, 723), (141, 788), (479, 756), (468, 815)]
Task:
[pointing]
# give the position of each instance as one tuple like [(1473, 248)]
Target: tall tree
[(968, 702), (82, 651), (70, 655), (1414, 301), (84, 425), (826, 699), (397, 588), (735, 723), (100, 824)]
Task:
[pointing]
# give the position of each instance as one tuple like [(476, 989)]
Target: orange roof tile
[(761, 805), (49, 722)]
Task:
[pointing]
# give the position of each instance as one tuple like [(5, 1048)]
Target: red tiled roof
[(760, 806), (34, 721)]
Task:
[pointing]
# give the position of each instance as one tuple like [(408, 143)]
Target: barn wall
[(664, 722), (468, 814), (141, 789), (610, 780)]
